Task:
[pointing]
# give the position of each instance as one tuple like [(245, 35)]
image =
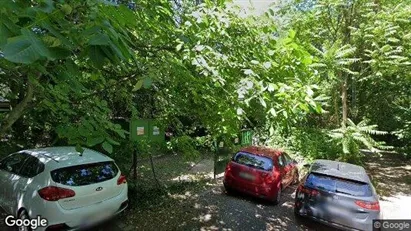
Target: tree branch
[(18, 111), (124, 79)]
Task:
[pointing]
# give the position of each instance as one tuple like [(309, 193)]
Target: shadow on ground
[(220, 211), (391, 175)]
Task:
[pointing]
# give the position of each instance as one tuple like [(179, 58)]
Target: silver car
[(338, 194)]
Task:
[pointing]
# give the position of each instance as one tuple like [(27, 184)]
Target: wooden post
[(134, 165)]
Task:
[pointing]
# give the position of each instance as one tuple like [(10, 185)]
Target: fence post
[(215, 158)]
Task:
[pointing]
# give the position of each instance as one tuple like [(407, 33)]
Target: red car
[(260, 171)]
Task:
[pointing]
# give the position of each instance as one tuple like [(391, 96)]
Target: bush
[(314, 143), (186, 146)]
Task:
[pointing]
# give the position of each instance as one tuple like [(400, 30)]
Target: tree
[(360, 49), (61, 58)]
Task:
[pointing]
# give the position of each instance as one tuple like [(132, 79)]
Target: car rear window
[(254, 161), (334, 184), (87, 174)]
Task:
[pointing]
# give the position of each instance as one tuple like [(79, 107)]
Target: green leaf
[(5, 33), (138, 85), (111, 141), (304, 107), (273, 112), (108, 147), (97, 56), (79, 149), (262, 101), (100, 39), (46, 6), (291, 34), (20, 50), (179, 46), (271, 11), (93, 141), (52, 41), (147, 82), (59, 53), (37, 43), (272, 130), (121, 133), (66, 9)]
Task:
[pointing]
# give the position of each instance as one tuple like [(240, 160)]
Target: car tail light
[(369, 205), (53, 193), (228, 168), (121, 180), (308, 191)]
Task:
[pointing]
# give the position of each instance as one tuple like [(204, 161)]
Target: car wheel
[(298, 218), (227, 189), (278, 196), (23, 215), (296, 213)]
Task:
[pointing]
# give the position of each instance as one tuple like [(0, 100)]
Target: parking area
[(213, 209)]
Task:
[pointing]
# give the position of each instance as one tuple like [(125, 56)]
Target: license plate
[(333, 209), (339, 210), (247, 176), (96, 218)]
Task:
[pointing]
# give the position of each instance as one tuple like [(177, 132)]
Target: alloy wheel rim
[(23, 228)]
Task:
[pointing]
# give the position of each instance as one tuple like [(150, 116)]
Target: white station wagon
[(70, 190)]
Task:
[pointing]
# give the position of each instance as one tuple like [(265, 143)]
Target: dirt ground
[(211, 209), (391, 176)]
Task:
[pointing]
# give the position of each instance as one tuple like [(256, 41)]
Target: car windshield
[(334, 184), (80, 175), (254, 161)]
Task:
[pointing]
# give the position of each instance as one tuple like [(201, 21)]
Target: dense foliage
[(73, 69)]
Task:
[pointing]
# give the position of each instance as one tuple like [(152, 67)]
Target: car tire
[(23, 215), (298, 218), (227, 190), (296, 213), (278, 196)]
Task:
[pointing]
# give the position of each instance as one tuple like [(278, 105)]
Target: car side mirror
[(307, 165)]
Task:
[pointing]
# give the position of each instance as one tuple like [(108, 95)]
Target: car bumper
[(261, 191), (352, 224), (73, 219)]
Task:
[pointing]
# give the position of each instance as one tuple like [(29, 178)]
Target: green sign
[(246, 137), (146, 129)]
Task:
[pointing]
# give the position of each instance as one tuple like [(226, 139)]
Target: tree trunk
[(336, 108), (344, 102), (153, 170), (17, 111), (135, 165)]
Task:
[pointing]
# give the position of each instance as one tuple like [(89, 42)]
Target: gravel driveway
[(214, 210), (240, 212)]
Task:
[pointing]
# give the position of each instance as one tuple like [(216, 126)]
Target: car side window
[(281, 161), (32, 167), (13, 162), (288, 159)]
